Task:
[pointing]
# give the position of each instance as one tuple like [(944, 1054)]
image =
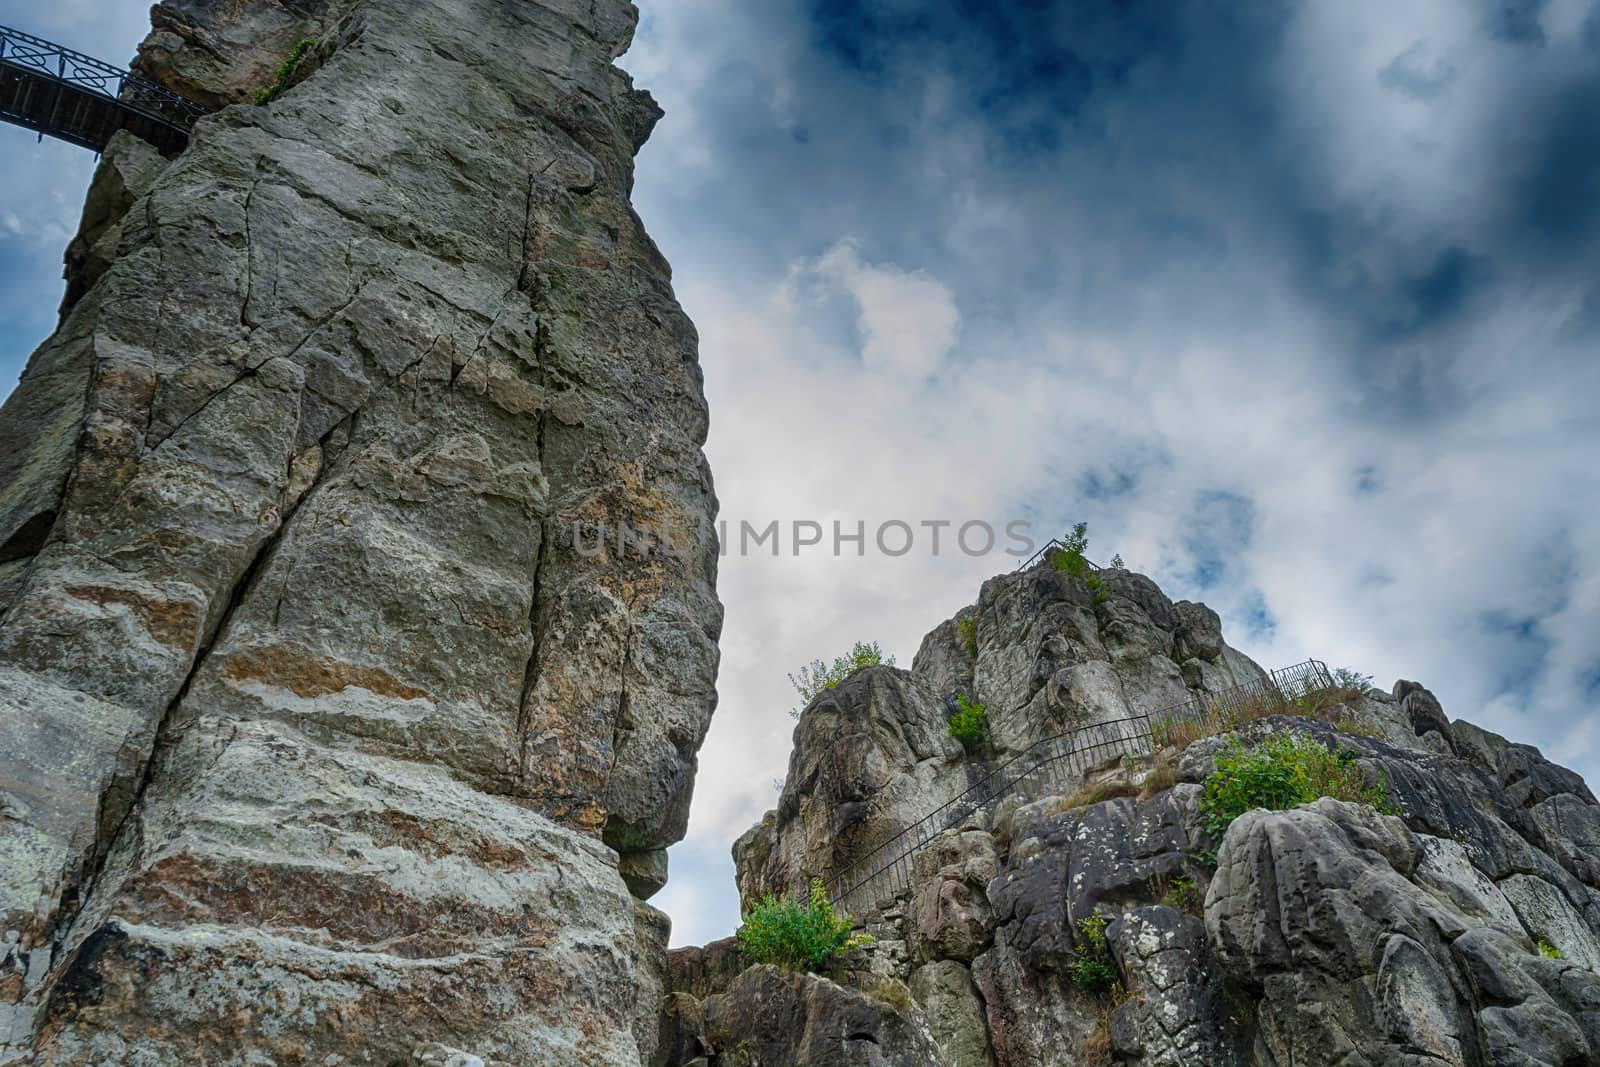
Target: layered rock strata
[(327, 709)]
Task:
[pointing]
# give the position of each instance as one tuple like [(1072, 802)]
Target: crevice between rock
[(115, 816)]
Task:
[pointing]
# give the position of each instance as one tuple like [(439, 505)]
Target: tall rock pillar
[(327, 694)]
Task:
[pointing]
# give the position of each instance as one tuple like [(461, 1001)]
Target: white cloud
[(908, 320)]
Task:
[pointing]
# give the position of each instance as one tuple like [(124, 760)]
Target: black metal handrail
[(1053, 543), (1059, 760), (25, 51), (1220, 707)]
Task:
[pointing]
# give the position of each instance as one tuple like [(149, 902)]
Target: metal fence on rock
[(1054, 765)]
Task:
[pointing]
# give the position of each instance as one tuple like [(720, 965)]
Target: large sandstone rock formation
[(324, 712), (1463, 931), (1043, 651)]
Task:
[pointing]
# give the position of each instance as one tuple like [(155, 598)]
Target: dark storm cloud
[(1551, 182), (1412, 72), (1516, 21), (1141, 144)]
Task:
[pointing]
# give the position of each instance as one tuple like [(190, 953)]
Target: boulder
[(771, 1019), (1177, 1012), (872, 756), (1321, 912), (645, 873), (952, 917), (948, 1000)]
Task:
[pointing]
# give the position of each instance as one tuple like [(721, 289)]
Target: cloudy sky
[(1296, 304)]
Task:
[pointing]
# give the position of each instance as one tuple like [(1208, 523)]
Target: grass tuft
[(1162, 777), (268, 93), (967, 634), (1097, 792)]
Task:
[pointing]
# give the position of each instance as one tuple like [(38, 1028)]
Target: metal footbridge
[(54, 90)]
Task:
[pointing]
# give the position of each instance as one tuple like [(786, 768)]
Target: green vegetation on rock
[(817, 676), (1069, 557), (970, 724), (1351, 682), (1091, 970), (967, 634), (796, 936), (268, 93), (1181, 893), (1282, 772)]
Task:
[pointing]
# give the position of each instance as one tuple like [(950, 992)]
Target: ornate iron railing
[(1058, 763), (55, 90)]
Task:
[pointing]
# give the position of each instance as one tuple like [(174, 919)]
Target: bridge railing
[(1058, 764), (23, 50)]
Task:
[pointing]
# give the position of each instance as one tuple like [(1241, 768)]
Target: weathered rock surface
[(951, 915), (1322, 913), (327, 701), (1463, 931), (874, 755), (1052, 653), (771, 1019), (871, 755), (950, 1003)]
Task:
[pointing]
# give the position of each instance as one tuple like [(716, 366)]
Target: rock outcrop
[(1112, 925), (1042, 650), (328, 696)]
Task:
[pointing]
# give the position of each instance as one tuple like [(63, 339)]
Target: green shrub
[(796, 936), (1182, 894), (967, 634), (1069, 557), (1351, 681), (970, 723), (1549, 951), (1282, 772), (268, 93), (816, 676), (1091, 970)]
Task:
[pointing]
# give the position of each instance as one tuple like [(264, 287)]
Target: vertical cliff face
[(323, 712)]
